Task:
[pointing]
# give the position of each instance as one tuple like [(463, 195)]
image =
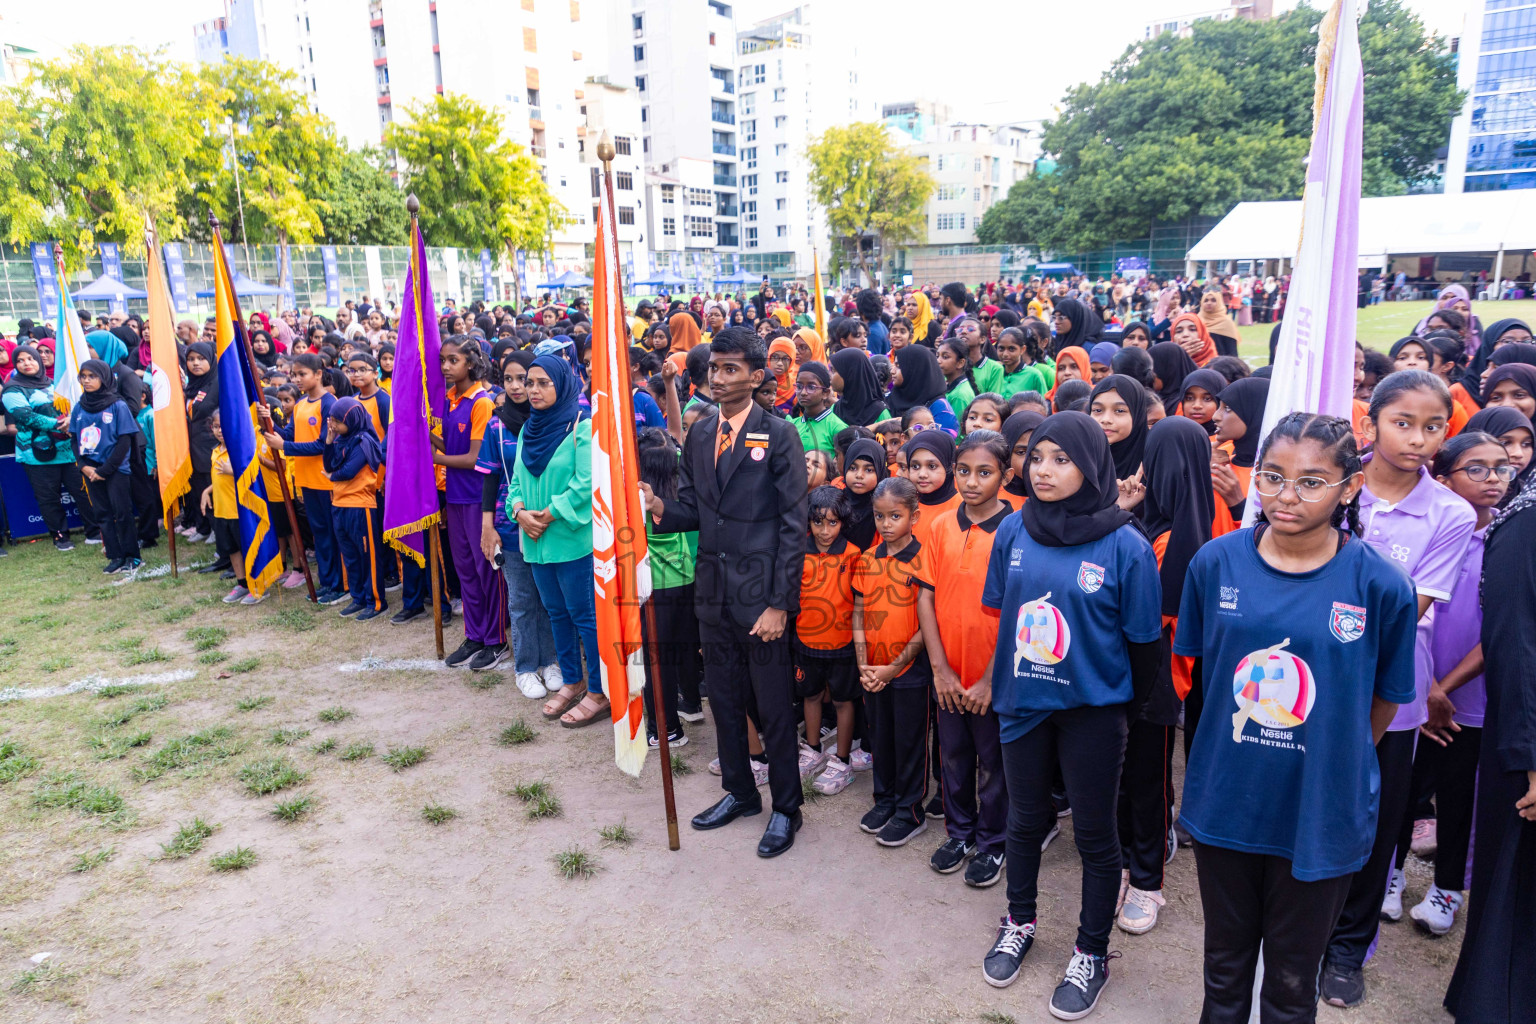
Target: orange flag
[(621, 566), (821, 298), (172, 463)]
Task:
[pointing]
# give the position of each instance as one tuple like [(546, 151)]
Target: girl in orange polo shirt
[(930, 467), (823, 645)]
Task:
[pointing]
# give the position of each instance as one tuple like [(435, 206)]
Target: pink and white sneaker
[(811, 761), (860, 761), (759, 774), (293, 579), (835, 777), (236, 594)]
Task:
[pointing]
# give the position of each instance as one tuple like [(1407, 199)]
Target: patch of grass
[(269, 776), (57, 663), (294, 620), (177, 614), (238, 859), (14, 764), (188, 840), (142, 657), (104, 594), (437, 814), (89, 861), (336, 714), (517, 733), (68, 791), (530, 791), (244, 665), (199, 748), (9, 646), (112, 748), (253, 703), (401, 758), (484, 680), (112, 625), (357, 752), (547, 806), (286, 737), (211, 657), (53, 600), (995, 1017), (808, 790), (33, 619), (124, 643), (116, 689), (26, 981), (325, 746), (679, 765), (293, 810), (617, 835), (206, 638), (128, 712), (575, 863)]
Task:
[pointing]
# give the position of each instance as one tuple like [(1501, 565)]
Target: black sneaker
[(405, 615), (875, 819), (1079, 990), (489, 657), (62, 544), (113, 566), (1170, 846), (950, 857), (460, 658), (984, 870), (693, 713), (335, 597), (935, 809), (370, 613), (353, 607), (1006, 956), (131, 565), (1343, 985), (674, 740), (901, 830)]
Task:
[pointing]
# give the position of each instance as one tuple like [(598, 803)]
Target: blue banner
[(522, 273), (112, 266), (1126, 263), (629, 263), (487, 289), (47, 283), (290, 296), (21, 512), (549, 266), (332, 276), (736, 263), (176, 277)]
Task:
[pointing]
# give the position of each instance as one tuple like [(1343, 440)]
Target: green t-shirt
[(819, 432), (989, 376), (672, 557), (1025, 378), (960, 397)]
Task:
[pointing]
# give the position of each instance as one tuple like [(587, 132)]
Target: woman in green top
[(42, 448), (958, 379), (550, 499)]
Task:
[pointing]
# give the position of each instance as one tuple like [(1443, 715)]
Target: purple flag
[(418, 398)]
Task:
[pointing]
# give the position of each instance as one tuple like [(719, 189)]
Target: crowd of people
[(982, 542)]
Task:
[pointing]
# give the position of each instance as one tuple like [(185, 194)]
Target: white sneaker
[(1138, 915), (553, 680), (835, 778), (1125, 884), (811, 761), (860, 761), (1052, 834), (1437, 914), (1392, 906), (714, 767), (529, 684)]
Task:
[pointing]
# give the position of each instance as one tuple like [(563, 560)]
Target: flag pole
[(170, 533), (650, 638), (434, 541), (295, 539)]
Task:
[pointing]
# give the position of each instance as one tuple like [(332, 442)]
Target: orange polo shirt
[(825, 621), (929, 514), (959, 552), (889, 585)]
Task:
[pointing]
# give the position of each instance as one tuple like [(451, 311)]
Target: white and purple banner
[(112, 266), (487, 289), (332, 275), (1315, 358)]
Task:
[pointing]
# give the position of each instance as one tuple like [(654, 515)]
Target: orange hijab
[(785, 384), (1078, 356), (685, 333), (818, 348), (1207, 346)]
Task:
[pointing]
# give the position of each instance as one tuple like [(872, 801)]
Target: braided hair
[(1337, 439), (474, 355), (962, 350)]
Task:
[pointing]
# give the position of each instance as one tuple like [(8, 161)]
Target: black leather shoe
[(726, 811), (780, 833), (222, 565)]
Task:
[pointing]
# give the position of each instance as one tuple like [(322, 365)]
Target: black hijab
[(1246, 397), (1091, 513), (202, 390), (269, 357), (1471, 379), (27, 381), (1171, 364), (386, 348), (921, 380), (1212, 383), (1086, 327), (1134, 363), (103, 397), (1015, 427), (943, 448), (1127, 452), (514, 414), (1179, 499), (859, 527), (860, 404)]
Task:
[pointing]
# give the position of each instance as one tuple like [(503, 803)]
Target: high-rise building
[(536, 62), (1493, 139), (1182, 24), (974, 164)]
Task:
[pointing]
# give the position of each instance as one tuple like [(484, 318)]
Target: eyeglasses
[(809, 389), (1308, 488), (1480, 473)]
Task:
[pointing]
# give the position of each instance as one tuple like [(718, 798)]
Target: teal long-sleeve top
[(565, 489)]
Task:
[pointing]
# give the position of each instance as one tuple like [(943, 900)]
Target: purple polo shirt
[(458, 438), (1425, 535), (1458, 627)]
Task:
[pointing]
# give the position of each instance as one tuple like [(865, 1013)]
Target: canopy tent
[(107, 288), (741, 277), (569, 279), (1461, 222), (665, 279), (1056, 268), (245, 286)]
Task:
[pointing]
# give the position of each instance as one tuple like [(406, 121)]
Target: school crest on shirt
[(106, 417), (1090, 577), (1347, 622)]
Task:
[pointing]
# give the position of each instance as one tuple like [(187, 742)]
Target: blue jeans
[(566, 589), (533, 640)]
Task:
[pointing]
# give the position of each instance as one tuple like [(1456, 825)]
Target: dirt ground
[(361, 911)]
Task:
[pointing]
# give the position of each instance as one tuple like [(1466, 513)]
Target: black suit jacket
[(751, 518)]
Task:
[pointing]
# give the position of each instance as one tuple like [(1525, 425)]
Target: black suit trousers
[(746, 675)]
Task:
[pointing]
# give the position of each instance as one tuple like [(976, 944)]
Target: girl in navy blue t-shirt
[(1075, 582), (1303, 640), (102, 428)]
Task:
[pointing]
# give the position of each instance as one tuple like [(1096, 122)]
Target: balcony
[(725, 85), (728, 180), (538, 152), (722, 117), (727, 210), (724, 148)]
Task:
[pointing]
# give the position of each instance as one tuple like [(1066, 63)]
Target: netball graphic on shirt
[(1043, 636), (1273, 687)]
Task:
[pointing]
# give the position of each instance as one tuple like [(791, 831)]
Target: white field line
[(93, 684), (372, 664)]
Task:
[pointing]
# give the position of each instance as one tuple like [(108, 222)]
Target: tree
[(91, 144), (477, 189), (868, 186), (289, 156), (1179, 127), (363, 205)]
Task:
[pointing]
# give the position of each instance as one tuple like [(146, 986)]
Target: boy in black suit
[(743, 488)]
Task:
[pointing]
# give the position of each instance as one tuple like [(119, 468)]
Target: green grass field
[(1379, 326)]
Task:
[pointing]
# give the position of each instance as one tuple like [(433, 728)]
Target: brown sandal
[(569, 721), (562, 705)]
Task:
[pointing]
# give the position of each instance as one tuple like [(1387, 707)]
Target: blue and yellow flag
[(239, 391)]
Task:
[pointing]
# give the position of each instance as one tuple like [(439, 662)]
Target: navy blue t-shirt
[(1283, 762), (97, 432), (1066, 616), (647, 412)]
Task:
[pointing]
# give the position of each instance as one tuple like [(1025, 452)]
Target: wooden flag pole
[(650, 639), (295, 538), (434, 539), (170, 535)]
